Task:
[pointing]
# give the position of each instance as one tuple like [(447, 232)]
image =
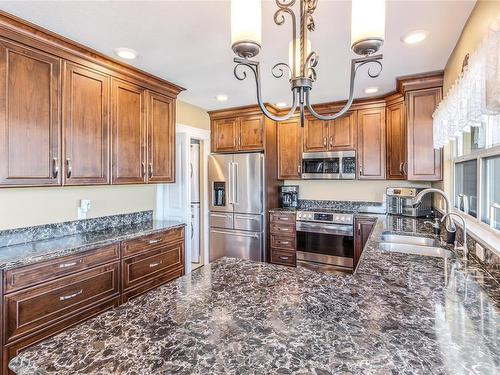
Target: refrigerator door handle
[(230, 184), (235, 184), (235, 233)]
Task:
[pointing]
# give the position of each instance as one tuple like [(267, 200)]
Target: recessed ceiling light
[(126, 53), (415, 36), (222, 97), (371, 90), (281, 104)]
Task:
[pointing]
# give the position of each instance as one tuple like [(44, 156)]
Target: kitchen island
[(398, 313)]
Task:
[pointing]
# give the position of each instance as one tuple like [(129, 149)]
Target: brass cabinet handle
[(69, 170), (155, 264), (70, 264), (69, 296), (55, 168)]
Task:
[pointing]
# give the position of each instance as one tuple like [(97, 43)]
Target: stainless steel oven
[(325, 241), (336, 165)]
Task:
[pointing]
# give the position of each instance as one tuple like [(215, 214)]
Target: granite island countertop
[(398, 314), (22, 254)]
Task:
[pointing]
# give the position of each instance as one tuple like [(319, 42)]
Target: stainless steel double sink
[(419, 245)]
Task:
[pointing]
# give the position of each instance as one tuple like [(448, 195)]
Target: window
[(477, 172)]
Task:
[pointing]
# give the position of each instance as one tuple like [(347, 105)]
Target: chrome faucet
[(463, 248), (450, 226)]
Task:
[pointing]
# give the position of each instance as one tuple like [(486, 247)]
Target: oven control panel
[(325, 217)]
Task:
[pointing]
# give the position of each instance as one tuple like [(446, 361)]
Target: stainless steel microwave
[(335, 165)]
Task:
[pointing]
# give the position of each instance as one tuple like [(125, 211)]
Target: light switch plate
[(479, 252)]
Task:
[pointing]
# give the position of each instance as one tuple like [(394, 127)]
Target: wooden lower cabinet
[(362, 229), (43, 299), (283, 244)]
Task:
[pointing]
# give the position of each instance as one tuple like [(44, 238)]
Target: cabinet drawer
[(33, 274), (282, 229), (138, 245), (13, 349), (283, 217), (283, 242), (140, 268), (151, 284), (286, 258), (40, 306)]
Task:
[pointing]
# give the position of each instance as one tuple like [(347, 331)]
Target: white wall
[(371, 191)]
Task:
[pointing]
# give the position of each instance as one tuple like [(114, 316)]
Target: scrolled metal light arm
[(355, 65)]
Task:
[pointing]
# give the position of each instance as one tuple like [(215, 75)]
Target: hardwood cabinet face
[(251, 133), (424, 162), (29, 116), (362, 230), (396, 142), (315, 135), (161, 138), (289, 150), (342, 133), (85, 126), (371, 144), (128, 133), (224, 135)]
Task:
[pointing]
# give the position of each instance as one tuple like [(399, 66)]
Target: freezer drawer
[(248, 222), (233, 243), (221, 220)]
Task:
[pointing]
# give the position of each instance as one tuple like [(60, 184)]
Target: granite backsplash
[(42, 232)]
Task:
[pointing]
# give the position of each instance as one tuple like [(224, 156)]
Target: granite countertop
[(18, 255), (399, 313)]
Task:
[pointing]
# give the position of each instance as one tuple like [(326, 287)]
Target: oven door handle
[(340, 229)]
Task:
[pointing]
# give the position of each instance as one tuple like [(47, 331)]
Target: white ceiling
[(188, 42)]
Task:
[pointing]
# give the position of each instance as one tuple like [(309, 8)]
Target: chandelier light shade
[(246, 27), (367, 38), (367, 25)]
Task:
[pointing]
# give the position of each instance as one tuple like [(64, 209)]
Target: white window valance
[(475, 96)]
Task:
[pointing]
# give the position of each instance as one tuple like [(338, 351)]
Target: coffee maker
[(289, 196)]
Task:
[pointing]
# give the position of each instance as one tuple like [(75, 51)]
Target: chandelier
[(367, 36)]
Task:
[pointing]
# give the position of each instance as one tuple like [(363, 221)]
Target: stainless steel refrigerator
[(236, 183)]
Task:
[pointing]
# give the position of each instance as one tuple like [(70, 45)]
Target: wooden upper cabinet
[(396, 142), (371, 144), (342, 133), (224, 133), (251, 133), (85, 126), (289, 150), (335, 135), (128, 133), (315, 135), (424, 162), (29, 116), (161, 138)]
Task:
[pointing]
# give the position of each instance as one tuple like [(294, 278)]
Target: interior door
[(219, 182), (128, 133), (86, 126), (29, 116), (161, 134), (247, 183)]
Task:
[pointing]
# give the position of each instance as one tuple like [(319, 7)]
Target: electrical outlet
[(479, 252)]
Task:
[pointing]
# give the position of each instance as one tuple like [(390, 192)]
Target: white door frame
[(204, 137)]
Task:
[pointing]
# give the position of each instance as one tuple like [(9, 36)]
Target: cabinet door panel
[(251, 133), (128, 133), (396, 142), (424, 162), (86, 126), (289, 150), (315, 135), (161, 138), (371, 143), (29, 116), (342, 133), (224, 135)]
